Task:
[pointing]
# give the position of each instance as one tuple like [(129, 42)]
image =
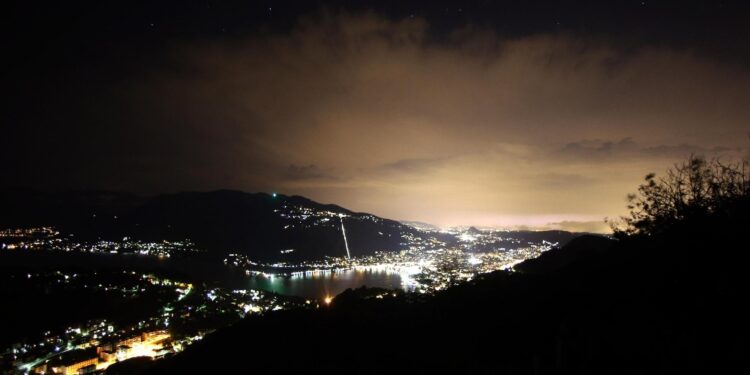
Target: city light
[(426, 264)]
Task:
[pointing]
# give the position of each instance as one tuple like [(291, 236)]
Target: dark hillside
[(224, 221), (578, 249), (664, 304)]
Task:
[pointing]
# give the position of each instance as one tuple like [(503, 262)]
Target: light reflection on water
[(213, 271), (319, 284)]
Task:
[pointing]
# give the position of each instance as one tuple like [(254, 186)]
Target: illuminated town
[(420, 270), (48, 238), (430, 261), (193, 312)]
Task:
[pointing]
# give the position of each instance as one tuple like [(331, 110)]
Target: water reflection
[(213, 271), (326, 282)]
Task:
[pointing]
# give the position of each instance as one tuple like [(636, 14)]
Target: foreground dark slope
[(219, 221), (668, 304)]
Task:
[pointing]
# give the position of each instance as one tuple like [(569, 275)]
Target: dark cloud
[(683, 150), (413, 165), (307, 172), (627, 148), (565, 181), (599, 150)]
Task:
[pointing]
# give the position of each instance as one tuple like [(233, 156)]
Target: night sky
[(449, 112)]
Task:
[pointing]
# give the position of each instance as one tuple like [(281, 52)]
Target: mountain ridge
[(221, 221)]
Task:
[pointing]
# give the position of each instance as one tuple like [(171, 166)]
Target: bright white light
[(466, 237), (343, 231), (250, 308)]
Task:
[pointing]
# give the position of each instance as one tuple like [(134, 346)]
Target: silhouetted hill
[(579, 249), (559, 236), (26, 207), (420, 225), (654, 304), (492, 240), (473, 230), (221, 221)]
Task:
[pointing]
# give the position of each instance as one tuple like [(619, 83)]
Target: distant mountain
[(257, 224), (578, 250), (483, 240), (473, 230), (421, 225)]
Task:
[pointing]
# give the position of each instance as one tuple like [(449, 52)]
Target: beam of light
[(343, 231)]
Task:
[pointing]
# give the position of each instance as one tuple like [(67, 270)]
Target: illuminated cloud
[(376, 115)]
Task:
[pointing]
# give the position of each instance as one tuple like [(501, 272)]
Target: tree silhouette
[(696, 190)]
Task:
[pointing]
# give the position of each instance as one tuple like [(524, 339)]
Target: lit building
[(74, 361)]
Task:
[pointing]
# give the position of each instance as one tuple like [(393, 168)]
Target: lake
[(207, 269)]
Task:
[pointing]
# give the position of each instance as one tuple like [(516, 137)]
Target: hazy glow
[(370, 114)]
